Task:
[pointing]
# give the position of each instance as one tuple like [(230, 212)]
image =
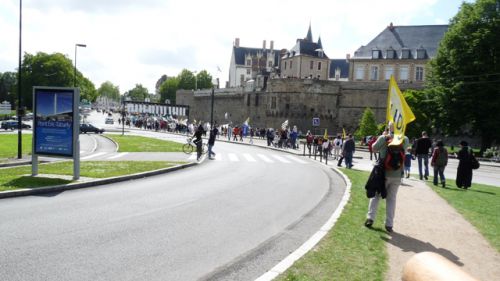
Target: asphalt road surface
[(232, 218)]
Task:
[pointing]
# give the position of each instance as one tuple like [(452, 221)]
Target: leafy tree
[(424, 106), (8, 87), (54, 70), (168, 89), (187, 80), (465, 74), (139, 93), (107, 89), (204, 80), (160, 81), (367, 125)]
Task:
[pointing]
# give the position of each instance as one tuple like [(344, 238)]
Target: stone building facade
[(338, 104)]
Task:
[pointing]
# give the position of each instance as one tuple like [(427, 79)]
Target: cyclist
[(198, 141)]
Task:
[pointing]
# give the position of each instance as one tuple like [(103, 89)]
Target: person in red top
[(439, 161), (236, 133), (372, 140)]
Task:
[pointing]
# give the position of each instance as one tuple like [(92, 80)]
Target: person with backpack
[(393, 159), (464, 170), (439, 161)]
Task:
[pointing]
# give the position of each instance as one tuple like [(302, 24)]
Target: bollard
[(315, 151), (431, 266), (304, 149), (326, 157)]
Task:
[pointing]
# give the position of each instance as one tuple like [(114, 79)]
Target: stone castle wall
[(338, 104)]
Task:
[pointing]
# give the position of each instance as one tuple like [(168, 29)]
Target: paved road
[(228, 219)]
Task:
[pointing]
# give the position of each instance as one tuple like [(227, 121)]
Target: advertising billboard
[(55, 116)]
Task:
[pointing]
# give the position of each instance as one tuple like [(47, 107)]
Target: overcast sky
[(137, 41)]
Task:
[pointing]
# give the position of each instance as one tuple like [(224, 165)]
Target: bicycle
[(190, 146)]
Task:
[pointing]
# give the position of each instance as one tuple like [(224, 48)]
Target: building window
[(389, 70), (311, 65), (249, 62), (273, 102), (375, 54), (242, 79), (285, 65), (374, 73), (360, 73), (421, 54), (319, 65), (405, 54), (391, 54), (419, 73), (248, 71), (270, 64), (291, 64), (256, 100), (248, 100), (403, 73)]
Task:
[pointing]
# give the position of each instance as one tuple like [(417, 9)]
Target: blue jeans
[(210, 152), (439, 171), (348, 159), (424, 157)]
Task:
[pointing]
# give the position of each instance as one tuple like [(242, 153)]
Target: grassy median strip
[(130, 143), (349, 251), (8, 145), (480, 205), (20, 177)]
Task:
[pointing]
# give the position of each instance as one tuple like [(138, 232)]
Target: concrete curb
[(71, 186)]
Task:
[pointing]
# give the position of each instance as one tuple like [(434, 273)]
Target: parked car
[(89, 128), (12, 125), (109, 120)]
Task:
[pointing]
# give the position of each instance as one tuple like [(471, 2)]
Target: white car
[(109, 120)]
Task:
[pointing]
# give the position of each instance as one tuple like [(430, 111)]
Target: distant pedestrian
[(252, 132), (423, 145), (464, 170), (371, 141), (348, 151), (198, 141), (236, 133), (408, 158), (309, 140), (439, 161), (211, 142), (337, 148), (326, 147)]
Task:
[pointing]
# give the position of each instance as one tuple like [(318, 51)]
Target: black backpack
[(395, 157)]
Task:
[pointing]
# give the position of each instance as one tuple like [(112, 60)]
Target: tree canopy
[(187, 80), (168, 89), (138, 93), (204, 80), (107, 89), (465, 75), (8, 84), (368, 124)]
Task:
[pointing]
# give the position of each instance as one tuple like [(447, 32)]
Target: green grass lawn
[(8, 145), (20, 177), (350, 251), (129, 143), (480, 205)]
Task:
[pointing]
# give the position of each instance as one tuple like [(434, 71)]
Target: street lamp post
[(19, 96), (76, 46)]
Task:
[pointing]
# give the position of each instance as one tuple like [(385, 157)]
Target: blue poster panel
[(53, 124)]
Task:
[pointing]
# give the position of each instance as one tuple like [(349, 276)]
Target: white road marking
[(118, 155), (296, 159), (281, 159), (233, 157), (265, 158), (93, 155), (249, 157)]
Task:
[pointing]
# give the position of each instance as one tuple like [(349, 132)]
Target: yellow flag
[(325, 136), (344, 135), (398, 112)]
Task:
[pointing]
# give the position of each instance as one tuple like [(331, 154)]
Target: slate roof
[(412, 37), (344, 68), (305, 47), (240, 52)]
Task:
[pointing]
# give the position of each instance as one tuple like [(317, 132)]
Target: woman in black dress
[(464, 170)]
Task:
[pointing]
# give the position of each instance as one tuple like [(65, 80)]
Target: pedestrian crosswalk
[(255, 158)]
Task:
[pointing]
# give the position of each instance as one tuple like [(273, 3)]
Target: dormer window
[(375, 54), (421, 54), (249, 62), (406, 54), (391, 54)]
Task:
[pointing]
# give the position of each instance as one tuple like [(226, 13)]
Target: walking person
[(423, 145), (337, 147), (392, 181), (464, 170), (309, 140), (371, 141), (252, 133), (198, 141), (211, 142), (439, 161), (325, 147), (348, 151), (408, 157)]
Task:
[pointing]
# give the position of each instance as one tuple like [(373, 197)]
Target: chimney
[(237, 42), (272, 45), (347, 57), (264, 44), (391, 27)]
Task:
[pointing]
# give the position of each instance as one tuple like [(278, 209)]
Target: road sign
[(315, 122)]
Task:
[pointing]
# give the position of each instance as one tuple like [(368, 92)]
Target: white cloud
[(131, 42)]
